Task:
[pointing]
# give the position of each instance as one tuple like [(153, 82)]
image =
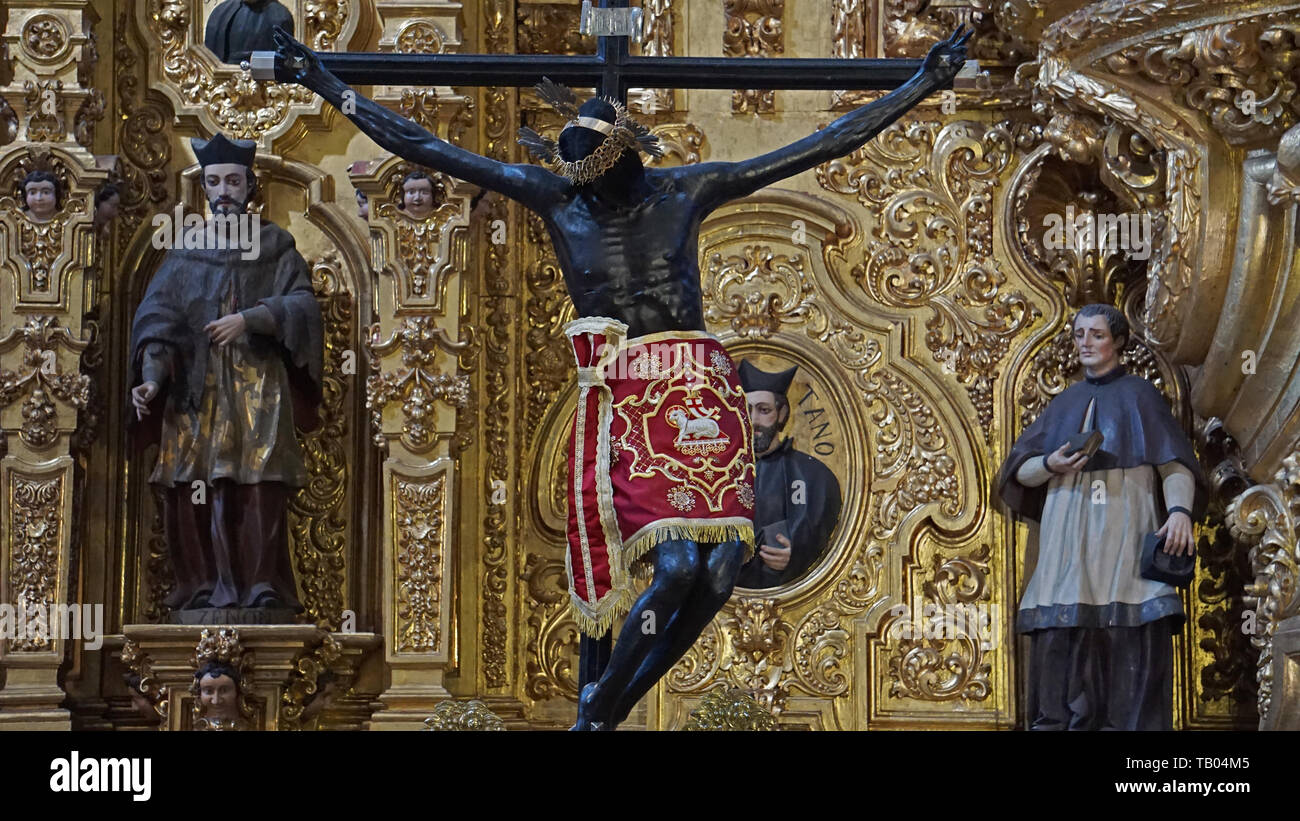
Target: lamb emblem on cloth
[(697, 428)]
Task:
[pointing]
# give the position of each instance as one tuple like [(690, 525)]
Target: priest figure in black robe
[(792, 487), (1100, 635)]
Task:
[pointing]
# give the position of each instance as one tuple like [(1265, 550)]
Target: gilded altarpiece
[(908, 281)]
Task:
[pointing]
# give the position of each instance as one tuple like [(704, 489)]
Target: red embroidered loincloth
[(661, 449)]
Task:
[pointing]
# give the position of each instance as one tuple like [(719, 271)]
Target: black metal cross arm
[(523, 71)]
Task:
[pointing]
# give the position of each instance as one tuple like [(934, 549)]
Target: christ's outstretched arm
[(715, 183), (531, 185)]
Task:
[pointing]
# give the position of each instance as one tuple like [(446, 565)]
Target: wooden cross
[(612, 70)]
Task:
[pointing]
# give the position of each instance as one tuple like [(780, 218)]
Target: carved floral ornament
[(418, 507), (418, 384), (1267, 516), (420, 37), (36, 522), (41, 379), (44, 37)]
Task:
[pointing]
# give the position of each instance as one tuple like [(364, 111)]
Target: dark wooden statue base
[(234, 615)]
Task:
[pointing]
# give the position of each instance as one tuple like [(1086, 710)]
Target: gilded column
[(418, 354), (47, 116)]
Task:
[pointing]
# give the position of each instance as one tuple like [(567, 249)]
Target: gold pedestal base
[(30, 701)]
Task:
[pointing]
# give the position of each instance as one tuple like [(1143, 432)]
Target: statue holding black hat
[(796, 497), (226, 358), (1104, 467)]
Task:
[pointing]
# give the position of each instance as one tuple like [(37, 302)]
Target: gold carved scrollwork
[(551, 28), (317, 514), (139, 663), (851, 21), (656, 41), (730, 710), (304, 681), (418, 385), (419, 243), (930, 189), (238, 105), (160, 576), (758, 292), (418, 507), (948, 660), (88, 113), (39, 245), (500, 313), (471, 716), (1267, 516), (550, 668), (758, 661), (143, 131), (700, 664), (753, 28), (324, 20), (1129, 181), (41, 379), (1175, 258), (420, 105), (37, 508), (1241, 74), (45, 123), (420, 37), (1098, 22), (548, 358), (681, 142)]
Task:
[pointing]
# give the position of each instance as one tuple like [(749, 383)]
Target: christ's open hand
[(227, 329), (946, 59), (300, 64)]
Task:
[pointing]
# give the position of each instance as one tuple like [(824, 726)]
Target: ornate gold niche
[(917, 304)]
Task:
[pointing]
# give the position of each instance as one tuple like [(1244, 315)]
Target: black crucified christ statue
[(626, 239)]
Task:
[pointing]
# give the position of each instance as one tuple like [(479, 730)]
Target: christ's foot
[(586, 701)]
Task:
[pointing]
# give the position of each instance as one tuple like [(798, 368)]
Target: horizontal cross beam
[(642, 72)]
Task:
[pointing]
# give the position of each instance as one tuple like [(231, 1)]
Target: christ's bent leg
[(677, 564), (711, 591)]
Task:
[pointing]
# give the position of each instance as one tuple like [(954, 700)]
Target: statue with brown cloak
[(225, 361)]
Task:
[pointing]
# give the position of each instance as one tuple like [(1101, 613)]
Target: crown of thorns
[(622, 134)]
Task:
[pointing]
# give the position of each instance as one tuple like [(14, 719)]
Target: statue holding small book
[(1105, 470)]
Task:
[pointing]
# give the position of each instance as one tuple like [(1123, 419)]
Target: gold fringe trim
[(596, 621)]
